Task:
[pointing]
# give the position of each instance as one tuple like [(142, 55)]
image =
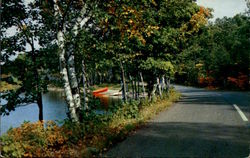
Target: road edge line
[(242, 115)]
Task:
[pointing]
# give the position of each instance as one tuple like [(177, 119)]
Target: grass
[(148, 110), (121, 125)]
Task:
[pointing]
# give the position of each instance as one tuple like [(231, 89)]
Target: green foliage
[(31, 67), (144, 35), (223, 55), (128, 111), (158, 67)]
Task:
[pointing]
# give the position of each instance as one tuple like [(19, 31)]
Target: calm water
[(54, 108), (108, 100)]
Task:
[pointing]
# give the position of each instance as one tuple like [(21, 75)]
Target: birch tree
[(66, 52)]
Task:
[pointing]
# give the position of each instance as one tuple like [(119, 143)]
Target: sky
[(223, 8)]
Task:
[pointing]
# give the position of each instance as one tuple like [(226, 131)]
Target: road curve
[(202, 124)]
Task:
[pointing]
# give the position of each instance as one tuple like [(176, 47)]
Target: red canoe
[(100, 90)]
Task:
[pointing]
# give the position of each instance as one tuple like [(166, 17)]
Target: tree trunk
[(38, 89), (132, 86), (40, 106), (143, 87), (71, 64), (64, 73), (110, 75), (163, 83), (159, 86), (138, 86), (135, 84), (73, 81), (37, 82), (85, 99), (95, 78), (124, 96), (100, 78), (92, 79), (150, 86), (67, 68), (154, 90)]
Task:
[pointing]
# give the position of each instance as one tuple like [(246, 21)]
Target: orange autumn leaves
[(129, 21), (241, 81), (198, 20), (33, 140)]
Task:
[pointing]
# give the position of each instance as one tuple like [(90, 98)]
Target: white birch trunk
[(143, 87), (163, 83), (85, 99), (73, 81), (64, 73), (63, 67), (159, 86), (80, 21)]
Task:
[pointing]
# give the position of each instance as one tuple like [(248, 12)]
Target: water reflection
[(54, 108), (107, 100)]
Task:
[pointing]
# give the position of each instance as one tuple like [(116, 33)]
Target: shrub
[(35, 140)]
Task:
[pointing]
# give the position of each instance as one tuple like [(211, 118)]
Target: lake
[(54, 108)]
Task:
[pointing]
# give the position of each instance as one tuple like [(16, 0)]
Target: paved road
[(202, 124)]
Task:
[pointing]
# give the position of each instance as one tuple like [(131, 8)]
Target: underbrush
[(91, 138)]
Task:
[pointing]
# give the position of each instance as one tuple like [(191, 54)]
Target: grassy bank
[(91, 138)]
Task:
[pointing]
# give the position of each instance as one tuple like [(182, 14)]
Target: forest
[(139, 46)]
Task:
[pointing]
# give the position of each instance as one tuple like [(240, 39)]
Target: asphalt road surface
[(202, 124)]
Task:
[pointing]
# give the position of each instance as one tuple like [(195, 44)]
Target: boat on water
[(96, 92)]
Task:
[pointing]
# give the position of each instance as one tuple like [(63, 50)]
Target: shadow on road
[(242, 99), (185, 140), (202, 124), (202, 99)]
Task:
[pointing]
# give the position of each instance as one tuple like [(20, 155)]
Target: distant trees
[(219, 56)]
